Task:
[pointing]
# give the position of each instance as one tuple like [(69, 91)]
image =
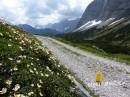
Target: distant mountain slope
[(106, 24), (64, 26), (33, 30), (102, 10), (27, 69)]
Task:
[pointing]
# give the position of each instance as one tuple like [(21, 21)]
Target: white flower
[(21, 48), (46, 75), (1, 34), (32, 85), (58, 74), (10, 39), (32, 64), (17, 87), (30, 93), (15, 68), (31, 70), (38, 85), (10, 59), (35, 69), (3, 91), (28, 65), (15, 32), (37, 72), (9, 45), (69, 76), (58, 65), (8, 82), (40, 94), (41, 82), (24, 56), (18, 61), (48, 68), (0, 64), (42, 74), (37, 59)]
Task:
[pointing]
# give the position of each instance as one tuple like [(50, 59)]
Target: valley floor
[(116, 80)]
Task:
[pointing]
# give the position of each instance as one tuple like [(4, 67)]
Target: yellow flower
[(19, 95)]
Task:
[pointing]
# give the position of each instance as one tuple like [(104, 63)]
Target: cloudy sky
[(41, 12)]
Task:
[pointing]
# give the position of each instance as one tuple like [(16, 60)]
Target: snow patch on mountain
[(88, 25), (105, 23), (117, 21)]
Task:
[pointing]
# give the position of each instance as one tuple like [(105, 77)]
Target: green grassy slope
[(29, 70), (110, 41)]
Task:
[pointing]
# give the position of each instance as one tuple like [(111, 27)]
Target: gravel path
[(116, 80)]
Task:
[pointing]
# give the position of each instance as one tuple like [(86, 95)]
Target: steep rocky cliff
[(101, 10)]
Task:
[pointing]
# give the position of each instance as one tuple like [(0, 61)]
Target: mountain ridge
[(64, 26), (38, 31), (108, 30)]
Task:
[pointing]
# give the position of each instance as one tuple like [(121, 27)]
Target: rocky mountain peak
[(105, 9)]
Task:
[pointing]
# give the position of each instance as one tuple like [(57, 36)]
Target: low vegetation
[(27, 69), (91, 47)]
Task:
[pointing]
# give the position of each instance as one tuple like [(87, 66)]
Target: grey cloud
[(39, 10)]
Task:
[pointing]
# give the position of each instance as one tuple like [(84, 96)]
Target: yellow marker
[(99, 77)]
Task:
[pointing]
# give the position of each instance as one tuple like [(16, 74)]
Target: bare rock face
[(105, 9)]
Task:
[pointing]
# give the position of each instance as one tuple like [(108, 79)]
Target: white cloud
[(41, 12)]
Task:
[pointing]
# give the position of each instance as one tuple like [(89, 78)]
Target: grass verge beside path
[(86, 47)]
